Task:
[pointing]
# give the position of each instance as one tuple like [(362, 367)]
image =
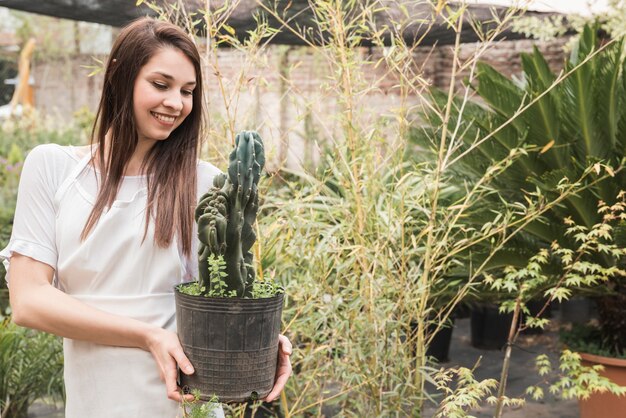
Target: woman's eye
[(159, 86), (188, 92)]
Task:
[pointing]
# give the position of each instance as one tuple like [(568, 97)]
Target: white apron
[(114, 271)]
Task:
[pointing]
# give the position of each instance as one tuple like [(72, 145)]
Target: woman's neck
[(134, 165)]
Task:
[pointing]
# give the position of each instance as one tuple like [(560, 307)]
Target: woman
[(103, 233)]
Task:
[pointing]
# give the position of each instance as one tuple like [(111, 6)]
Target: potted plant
[(228, 320)]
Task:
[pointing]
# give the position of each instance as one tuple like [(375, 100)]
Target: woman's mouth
[(164, 119)]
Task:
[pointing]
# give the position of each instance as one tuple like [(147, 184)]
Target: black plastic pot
[(489, 327), (439, 347), (232, 344)]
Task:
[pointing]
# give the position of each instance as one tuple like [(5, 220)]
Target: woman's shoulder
[(45, 168), (54, 155), (205, 167), (206, 173), (51, 160)]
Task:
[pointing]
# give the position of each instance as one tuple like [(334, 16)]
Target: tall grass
[(368, 245)]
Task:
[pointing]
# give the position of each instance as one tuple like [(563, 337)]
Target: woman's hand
[(283, 371), (168, 353)]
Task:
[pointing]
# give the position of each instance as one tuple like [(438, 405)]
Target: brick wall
[(289, 94)]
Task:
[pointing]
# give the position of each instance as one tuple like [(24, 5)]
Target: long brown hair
[(170, 164)]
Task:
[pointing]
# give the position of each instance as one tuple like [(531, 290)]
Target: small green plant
[(588, 339), (216, 267), (217, 273), (575, 380), (556, 273), (265, 289), (463, 393), (219, 288), (197, 409)]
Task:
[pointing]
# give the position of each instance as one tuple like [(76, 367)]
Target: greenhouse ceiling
[(296, 12)]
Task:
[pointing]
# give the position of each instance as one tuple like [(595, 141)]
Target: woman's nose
[(173, 101)]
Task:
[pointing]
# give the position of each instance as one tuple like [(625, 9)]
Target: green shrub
[(31, 367)]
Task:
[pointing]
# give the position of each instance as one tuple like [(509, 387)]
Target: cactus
[(227, 212)]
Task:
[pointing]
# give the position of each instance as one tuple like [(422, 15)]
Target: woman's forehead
[(171, 64)]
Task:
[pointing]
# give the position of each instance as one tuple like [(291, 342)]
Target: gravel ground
[(521, 373)]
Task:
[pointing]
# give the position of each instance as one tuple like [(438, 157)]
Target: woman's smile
[(167, 120)]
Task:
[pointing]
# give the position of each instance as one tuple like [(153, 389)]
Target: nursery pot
[(232, 344), (577, 310), (439, 347), (489, 327), (605, 405)]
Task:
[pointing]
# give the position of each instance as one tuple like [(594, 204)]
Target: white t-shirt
[(45, 169)]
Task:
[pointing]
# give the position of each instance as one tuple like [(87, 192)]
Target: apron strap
[(71, 178)]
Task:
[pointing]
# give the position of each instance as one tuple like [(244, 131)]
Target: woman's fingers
[(182, 360), (173, 391), (170, 381), (168, 353), (285, 344), (283, 371)]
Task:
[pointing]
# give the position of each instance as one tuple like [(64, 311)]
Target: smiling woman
[(102, 234)]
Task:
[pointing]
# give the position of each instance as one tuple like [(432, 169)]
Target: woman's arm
[(35, 303)]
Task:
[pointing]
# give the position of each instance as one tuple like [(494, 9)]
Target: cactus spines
[(227, 212)]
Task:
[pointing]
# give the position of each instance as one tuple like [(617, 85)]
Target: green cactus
[(227, 212)]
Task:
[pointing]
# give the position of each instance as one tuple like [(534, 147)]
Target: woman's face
[(163, 94)]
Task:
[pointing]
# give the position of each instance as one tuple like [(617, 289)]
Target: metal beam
[(297, 12)]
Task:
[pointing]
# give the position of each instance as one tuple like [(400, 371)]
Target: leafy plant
[(197, 409), (575, 380), (464, 393), (365, 244), (570, 126), (31, 366), (578, 268)]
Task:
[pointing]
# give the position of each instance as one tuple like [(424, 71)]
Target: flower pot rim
[(610, 361)]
